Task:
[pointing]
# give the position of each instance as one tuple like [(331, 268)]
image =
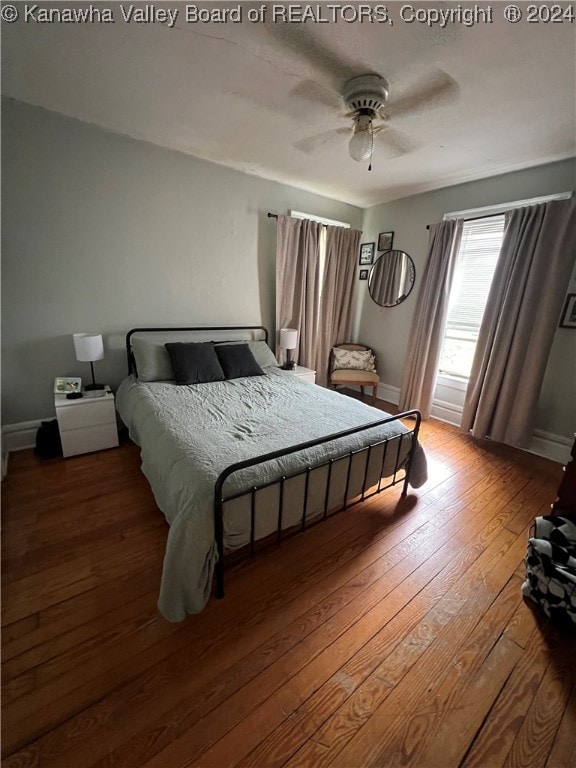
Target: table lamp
[(89, 347), (288, 341)]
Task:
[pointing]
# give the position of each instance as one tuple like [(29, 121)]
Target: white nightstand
[(306, 374), (86, 424)]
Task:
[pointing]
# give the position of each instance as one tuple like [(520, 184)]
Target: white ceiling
[(240, 94)]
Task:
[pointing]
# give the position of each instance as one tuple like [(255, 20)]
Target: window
[(475, 265)]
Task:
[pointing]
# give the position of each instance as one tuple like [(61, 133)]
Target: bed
[(236, 461)]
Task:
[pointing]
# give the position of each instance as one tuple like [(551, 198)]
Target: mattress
[(189, 434)]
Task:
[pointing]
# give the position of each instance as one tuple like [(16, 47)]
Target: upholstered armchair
[(360, 370)]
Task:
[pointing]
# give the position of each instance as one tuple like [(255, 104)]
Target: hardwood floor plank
[(278, 647), (31, 594), (332, 715), (13, 632), (92, 545), (495, 738), (313, 674), (524, 624), (51, 711), (455, 727), (85, 610), (563, 753), (535, 739), (432, 679), (395, 612), (69, 642)]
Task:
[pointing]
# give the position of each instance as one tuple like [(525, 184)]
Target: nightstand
[(87, 424), (306, 374)]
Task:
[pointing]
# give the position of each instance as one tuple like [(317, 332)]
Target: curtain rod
[(272, 215), (473, 218), (507, 207)]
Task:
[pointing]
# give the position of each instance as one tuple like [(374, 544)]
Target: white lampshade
[(288, 338), (88, 346)]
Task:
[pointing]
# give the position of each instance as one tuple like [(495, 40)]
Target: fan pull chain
[(371, 147)]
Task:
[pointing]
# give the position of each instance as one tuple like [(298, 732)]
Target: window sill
[(452, 382)]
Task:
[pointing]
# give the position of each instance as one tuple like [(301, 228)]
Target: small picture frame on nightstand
[(63, 385)]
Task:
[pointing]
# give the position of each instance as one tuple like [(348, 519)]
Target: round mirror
[(391, 278)]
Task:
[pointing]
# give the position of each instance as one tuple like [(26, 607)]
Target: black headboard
[(200, 329)]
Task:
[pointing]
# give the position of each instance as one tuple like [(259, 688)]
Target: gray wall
[(102, 233), (387, 329)]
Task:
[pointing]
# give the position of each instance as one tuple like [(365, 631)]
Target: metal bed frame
[(401, 474)]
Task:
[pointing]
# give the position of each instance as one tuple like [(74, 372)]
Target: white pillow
[(152, 361), (353, 359), (262, 353)]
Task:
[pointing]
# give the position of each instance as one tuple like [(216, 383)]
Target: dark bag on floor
[(551, 569), (48, 443)]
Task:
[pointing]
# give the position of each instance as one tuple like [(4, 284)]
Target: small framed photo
[(65, 384), (385, 240), (366, 253), (363, 274), (568, 319)]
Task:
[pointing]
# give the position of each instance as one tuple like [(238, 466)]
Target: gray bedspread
[(189, 434)]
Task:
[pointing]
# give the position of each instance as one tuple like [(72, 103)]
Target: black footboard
[(400, 474)]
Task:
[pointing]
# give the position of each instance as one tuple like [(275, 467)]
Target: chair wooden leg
[(362, 391), (374, 388)]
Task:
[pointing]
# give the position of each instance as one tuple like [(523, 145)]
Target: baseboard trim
[(545, 444), (388, 393), (447, 412), (550, 446), (17, 437)]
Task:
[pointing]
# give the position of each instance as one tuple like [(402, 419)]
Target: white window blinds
[(476, 261), (475, 264)]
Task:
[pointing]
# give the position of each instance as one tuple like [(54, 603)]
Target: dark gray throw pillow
[(237, 360), (194, 363)]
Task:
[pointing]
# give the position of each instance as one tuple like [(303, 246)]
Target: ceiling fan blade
[(313, 142), (397, 142), (297, 38), (312, 91), (441, 89)]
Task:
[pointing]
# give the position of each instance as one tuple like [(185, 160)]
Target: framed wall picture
[(568, 319), (363, 274), (65, 384), (366, 253), (385, 240)]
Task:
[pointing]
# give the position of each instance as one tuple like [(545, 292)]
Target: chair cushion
[(351, 375)]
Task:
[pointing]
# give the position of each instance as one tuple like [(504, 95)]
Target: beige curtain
[(297, 283), (335, 319), (424, 345), (520, 320)]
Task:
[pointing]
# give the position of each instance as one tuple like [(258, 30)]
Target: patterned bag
[(551, 569)]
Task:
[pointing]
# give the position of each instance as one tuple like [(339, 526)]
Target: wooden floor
[(393, 634)]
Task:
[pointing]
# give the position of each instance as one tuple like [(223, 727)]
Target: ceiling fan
[(366, 99)]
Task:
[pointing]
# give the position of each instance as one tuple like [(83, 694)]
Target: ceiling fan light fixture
[(360, 146), (368, 92)]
